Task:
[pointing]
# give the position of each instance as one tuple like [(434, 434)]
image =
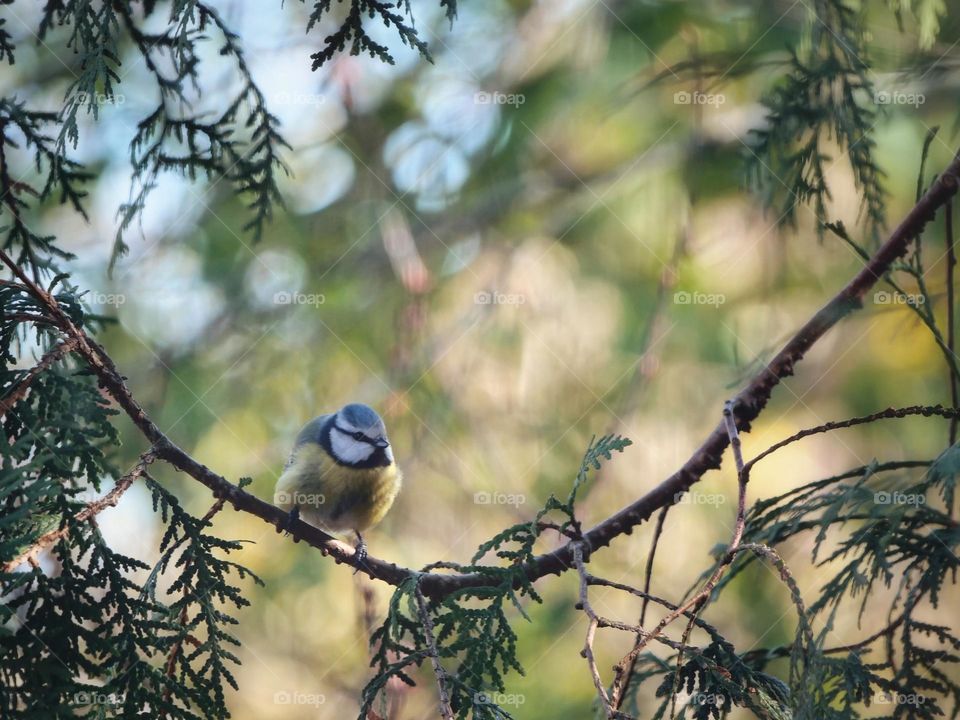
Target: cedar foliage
[(88, 641)]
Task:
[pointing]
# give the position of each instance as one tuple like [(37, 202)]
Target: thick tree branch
[(747, 405)]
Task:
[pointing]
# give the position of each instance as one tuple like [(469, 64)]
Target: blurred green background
[(476, 247)]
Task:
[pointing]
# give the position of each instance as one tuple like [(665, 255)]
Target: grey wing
[(309, 433)]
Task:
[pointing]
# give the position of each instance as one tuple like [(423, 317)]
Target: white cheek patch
[(347, 449)]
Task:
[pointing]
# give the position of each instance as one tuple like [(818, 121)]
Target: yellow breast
[(335, 497)]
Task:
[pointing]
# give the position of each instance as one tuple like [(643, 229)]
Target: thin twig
[(731, 425), (88, 513), (20, 391), (684, 641), (741, 515), (887, 414), (446, 712), (782, 651), (923, 310), (623, 670), (594, 623), (701, 597), (663, 602), (805, 631), (170, 666), (28, 317), (646, 360), (597, 621)]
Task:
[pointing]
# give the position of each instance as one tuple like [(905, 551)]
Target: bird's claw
[(292, 518), (360, 553)]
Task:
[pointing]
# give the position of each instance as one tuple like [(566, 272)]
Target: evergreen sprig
[(827, 96), (892, 535), (7, 46), (95, 38), (473, 630), (44, 170), (352, 31), (89, 639), (199, 657), (242, 144)]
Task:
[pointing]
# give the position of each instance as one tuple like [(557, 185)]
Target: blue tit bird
[(341, 475)]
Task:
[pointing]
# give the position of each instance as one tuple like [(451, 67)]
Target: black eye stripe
[(349, 434)]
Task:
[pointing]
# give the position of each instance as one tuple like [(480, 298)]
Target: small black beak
[(381, 443)]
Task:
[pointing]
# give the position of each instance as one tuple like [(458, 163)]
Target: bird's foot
[(292, 518), (360, 552)]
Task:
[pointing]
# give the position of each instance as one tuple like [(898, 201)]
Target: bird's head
[(358, 437)]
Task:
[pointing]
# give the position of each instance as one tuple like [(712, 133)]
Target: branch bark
[(746, 406)]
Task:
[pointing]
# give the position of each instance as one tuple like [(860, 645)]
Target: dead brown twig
[(51, 538), (20, 391), (446, 712)]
